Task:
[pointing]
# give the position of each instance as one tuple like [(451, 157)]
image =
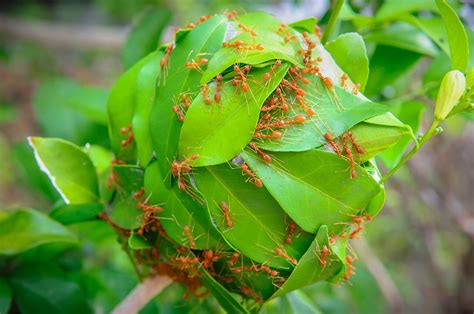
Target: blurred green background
[(58, 59)]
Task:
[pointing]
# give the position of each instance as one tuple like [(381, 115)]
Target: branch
[(142, 294)]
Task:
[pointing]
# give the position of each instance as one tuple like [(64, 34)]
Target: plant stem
[(431, 131), (142, 294), (332, 20)]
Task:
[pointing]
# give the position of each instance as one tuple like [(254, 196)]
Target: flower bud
[(451, 89)]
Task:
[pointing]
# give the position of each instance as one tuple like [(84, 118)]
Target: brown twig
[(142, 294)]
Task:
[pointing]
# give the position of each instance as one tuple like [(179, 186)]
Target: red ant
[(281, 252), (317, 32), (324, 254), (202, 19), (266, 158), (165, 60), (355, 89), (282, 99), (226, 212), (196, 65), (209, 259), (247, 30), (299, 91), (139, 194), (295, 71), (253, 177), (344, 79), (188, 234), (205, 91), (127, 131), (178, 168), (349, 155), (217, 95), (235, 256), (272, 104), (327, 82), (281, 29), (179, 112), (291, 231), (231, 15), (269, 74), (274, 135), (241, 77), (289, 38), (359, 149), (249, 292), (309, 111), (350, 267), (333, 144)]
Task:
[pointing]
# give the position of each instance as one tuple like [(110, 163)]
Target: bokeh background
[(59, 58)]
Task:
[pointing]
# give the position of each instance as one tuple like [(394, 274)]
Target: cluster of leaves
[(304, 184)]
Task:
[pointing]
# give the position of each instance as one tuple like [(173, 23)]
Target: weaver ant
[(269, 74), (291, 231), (266, 158), (282, 253), (226, 212), (253, 177), (130, 137)]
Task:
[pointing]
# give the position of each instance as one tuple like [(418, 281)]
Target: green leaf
[(70, 214), (68, 110), (5, 296), (120, 109), (181, 210), (137, 242), (329, 118), (223, 296), (250, 208), (350, 54), (403, 36), (275, 47), (206, 38), (145, 34), (102, 160), (69, 169), (24, 229), (458, 43), (433, 27), (129, 180), (309, 268), (45, 289), (393, 8), (387, 64), (209, 130), (315, 187), (144, 97), (305, 25)]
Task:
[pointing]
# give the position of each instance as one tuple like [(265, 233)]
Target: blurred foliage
[(422, 250)]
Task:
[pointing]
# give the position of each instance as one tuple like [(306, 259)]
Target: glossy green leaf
[(433, 27), (328, 119), (204, 39), (179, 211), (315, 187), (305, 25), (145, 34), (102, 160), (5, 296), (46, 289), (403, 36), (250, 208), (70, 214), (145, 88), (129, 180), (387, 64), (120, 109), (24, 229), (350, 54), (309, 268), (69, 169), (209, 130), (223, 296), (458, 43), (68, 110), (393, 8), (275, 47), (137, 242)]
